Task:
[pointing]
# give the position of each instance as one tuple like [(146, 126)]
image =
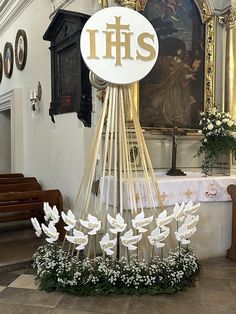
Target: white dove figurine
[(51, 232), (163, 219), (107, 244), (93, 223), (190, 208), (55, 215), (117, 223), (47, 211), (37, 228), (183, 234), (178, 212), (158, 235), (140, 221), (78, 238), (191, 221), (69, 220), (128, 239)]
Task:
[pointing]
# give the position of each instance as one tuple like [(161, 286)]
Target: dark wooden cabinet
[(71, 89)]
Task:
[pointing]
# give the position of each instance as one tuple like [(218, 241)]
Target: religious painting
[(173, 92), (1, 67), (20, 49), (8, 59)]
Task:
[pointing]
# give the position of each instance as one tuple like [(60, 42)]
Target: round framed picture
[(20, 49), (1, 67), (8, 59)]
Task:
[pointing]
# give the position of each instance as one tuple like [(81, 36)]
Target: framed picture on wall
[(1, 67), (20, 49), (8, 58)]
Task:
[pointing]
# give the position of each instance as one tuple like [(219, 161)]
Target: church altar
[(214, 229), (177, 189)]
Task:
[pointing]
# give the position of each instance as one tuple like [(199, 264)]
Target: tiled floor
[(214, 292)]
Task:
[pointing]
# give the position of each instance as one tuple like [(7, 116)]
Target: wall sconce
[(35, 97)]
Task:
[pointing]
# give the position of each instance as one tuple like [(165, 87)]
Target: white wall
[(5, 141), (55, 154)]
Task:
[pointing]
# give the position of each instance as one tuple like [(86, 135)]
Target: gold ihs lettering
[(146, 46), (92, 42)]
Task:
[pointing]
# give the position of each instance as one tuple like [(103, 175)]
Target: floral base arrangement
[(58, 270)]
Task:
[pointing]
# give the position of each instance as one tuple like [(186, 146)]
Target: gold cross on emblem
[(164, 196), (188, 193)]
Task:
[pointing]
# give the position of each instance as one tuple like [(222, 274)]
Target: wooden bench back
[(17, 180), (20, 187), (231, 252), (11, 175)]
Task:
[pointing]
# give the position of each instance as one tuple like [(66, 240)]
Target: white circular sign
[(119, 45)]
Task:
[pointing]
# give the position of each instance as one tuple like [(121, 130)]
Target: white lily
[(69, 220), (158, 235), (36, 225), (128, 239), (140, 221), (163, 219), (118, 223), (178, 212), (191, 221), (190, 209), (92, 223), (183, 234), (51, 232), (78, 238), (107, 244)]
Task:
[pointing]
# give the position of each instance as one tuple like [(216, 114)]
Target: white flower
[(225, 120), (163, 219), (128, 239), (157, 236), (205, 140), (92, 223), (218, 122), (214, 110), (55, 215), (118, 223), (78, 238), (183, 234), (140, 222), (47, 211), (51, 232), (69, 219), (107, 244), (210, 126), (36, 225), (199, 131), (230, 123), (178, 212)]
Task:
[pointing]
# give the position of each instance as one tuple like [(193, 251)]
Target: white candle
[(31, 94)]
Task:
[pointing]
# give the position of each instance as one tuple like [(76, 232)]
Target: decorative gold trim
[(228, 20)]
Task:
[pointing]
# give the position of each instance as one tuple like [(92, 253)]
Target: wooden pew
[(11, 175), (231, 252), (15, 206), (20, 187), (17, 180)]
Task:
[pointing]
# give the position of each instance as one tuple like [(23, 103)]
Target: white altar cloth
[(176, 189)]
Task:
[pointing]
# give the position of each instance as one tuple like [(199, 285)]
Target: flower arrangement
[(216, 128), (62, 268)]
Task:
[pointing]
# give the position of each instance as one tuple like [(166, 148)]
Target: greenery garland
[(58, 270)]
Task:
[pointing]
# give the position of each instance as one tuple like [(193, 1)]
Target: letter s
[(144, 45)]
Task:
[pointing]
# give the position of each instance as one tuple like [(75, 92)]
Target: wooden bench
[(11, 175), (15, 206), (231, 252)]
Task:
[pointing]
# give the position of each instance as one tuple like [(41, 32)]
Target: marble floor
[(214, 291)]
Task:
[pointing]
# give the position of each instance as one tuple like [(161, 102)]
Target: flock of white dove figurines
[(185, 215)]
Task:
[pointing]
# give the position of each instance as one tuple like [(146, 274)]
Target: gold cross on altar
[(164, 196), (188, 193)]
